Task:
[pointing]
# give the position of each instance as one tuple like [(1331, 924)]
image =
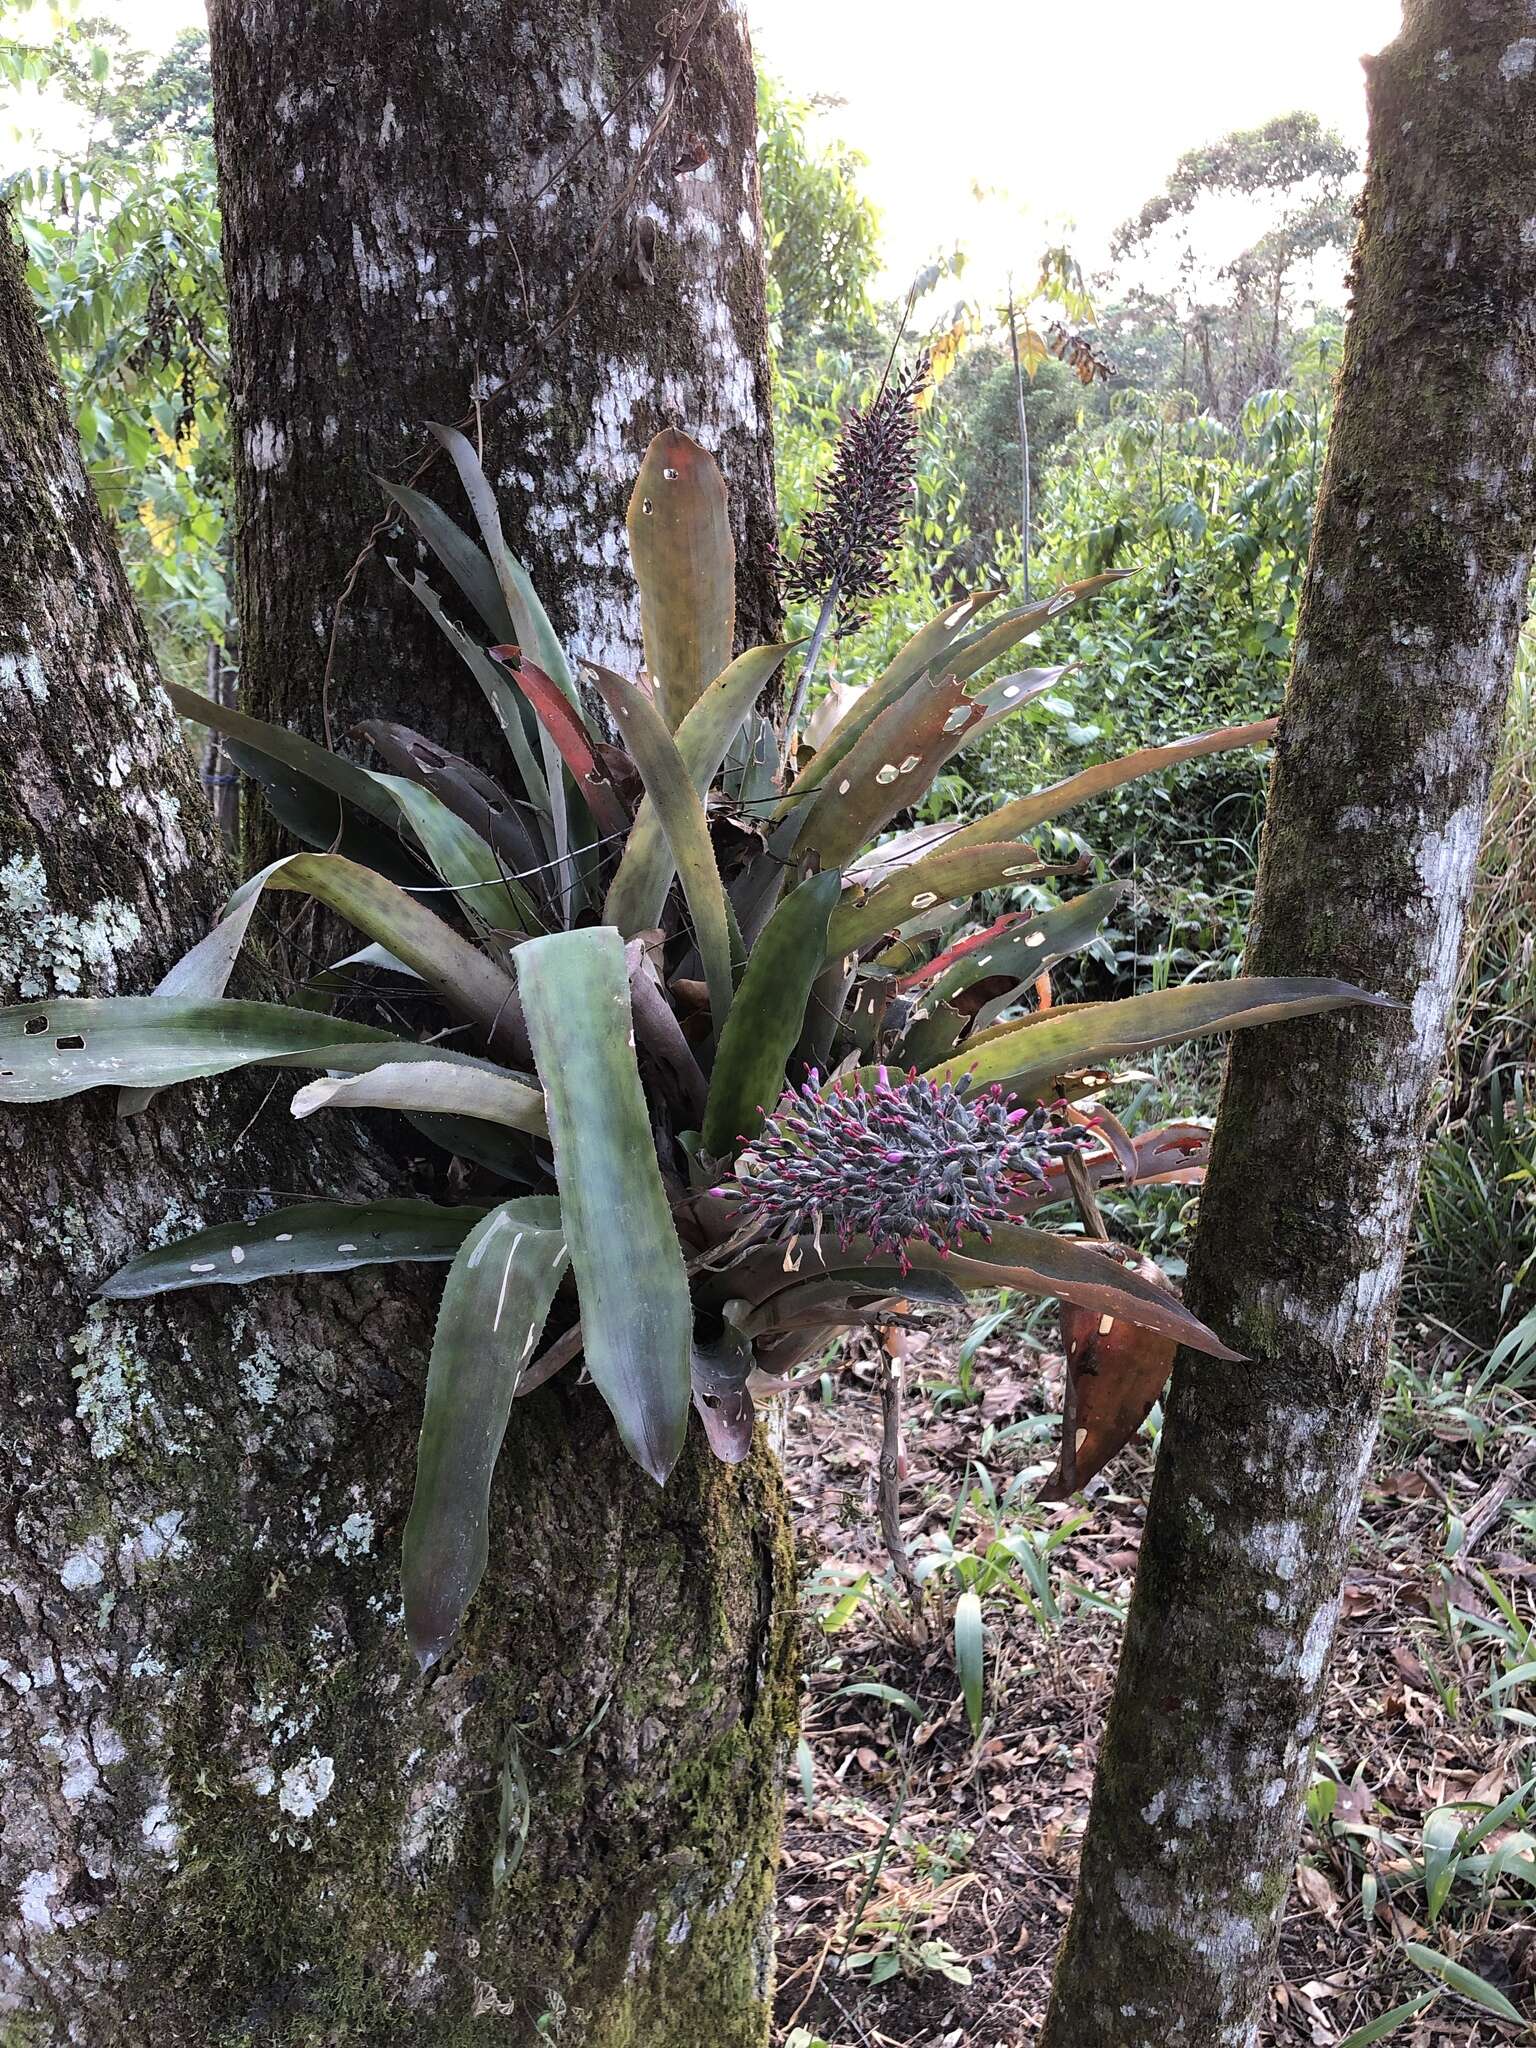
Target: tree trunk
[(536, 217), (1414, 597), (234, 1809), (539, 217)]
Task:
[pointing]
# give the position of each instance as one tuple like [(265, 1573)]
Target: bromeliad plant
[(705, 1036)]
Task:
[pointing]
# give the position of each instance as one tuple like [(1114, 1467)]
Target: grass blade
[(1466, 1983), (1389, 2022), (970, 1656)]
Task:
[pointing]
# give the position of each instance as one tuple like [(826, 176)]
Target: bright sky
[(1075, 113)]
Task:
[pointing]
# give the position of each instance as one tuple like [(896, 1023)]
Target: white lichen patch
[(305, 1786), (355, 1536), (46, 952), (83, 1568), (111, 1378), (258, 1372), (22, 675)]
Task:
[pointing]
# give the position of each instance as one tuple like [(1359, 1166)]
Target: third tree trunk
[(1405, 644)]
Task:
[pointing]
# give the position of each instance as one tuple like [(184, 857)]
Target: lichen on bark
[(1414, 596)]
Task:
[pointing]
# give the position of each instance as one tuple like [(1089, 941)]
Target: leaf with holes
[(1115, 1371), (928, 647), (51, 1050), (636, 1317), (989, 643), (685, 564), (494, 1306), (313, 1237), (1025, 948), (888, 769), (866, 914), (725, 1407), (515, 832)]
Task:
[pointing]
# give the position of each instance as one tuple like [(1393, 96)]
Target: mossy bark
[(1414, 597), (235, 1811)]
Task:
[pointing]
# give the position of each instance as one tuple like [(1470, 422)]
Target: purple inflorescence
[(906, 1159)]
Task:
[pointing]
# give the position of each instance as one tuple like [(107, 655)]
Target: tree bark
[(537, 217), (1414, 596), (234, 1809)]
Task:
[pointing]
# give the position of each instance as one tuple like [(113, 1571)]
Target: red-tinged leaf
[(1115, 1371), (560, 720), (1174, 1154), (1090, 1275), (941, 962)]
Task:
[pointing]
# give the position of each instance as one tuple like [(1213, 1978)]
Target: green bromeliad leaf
[(685, 564), (670, 788), (531, 628), (912, 892), (494, 1305), (1029, 1057), (639, 889), (317, 765), (52, 1049), (767, 1015), (463, 860), (1012, 820), (468, 565), (470, 984), (636, 1317), (428, 1087), (312, 1237)]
